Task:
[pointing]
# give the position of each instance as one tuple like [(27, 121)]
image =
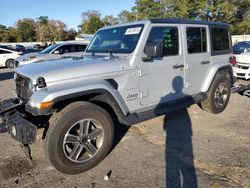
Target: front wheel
[(79, 137), (218, 95)]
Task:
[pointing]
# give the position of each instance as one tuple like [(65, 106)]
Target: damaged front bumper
[(12, 121)]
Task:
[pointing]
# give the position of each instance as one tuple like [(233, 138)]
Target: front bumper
[(13, 122), (242, 71)]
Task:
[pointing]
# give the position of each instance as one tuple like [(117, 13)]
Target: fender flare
[(212, 73)]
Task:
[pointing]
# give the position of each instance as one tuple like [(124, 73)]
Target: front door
[(161, 79)]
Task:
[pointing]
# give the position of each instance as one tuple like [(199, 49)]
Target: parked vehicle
[(130, 73), (20, 48), (53, 52), (7, 57), (241, 65), (241, 47)]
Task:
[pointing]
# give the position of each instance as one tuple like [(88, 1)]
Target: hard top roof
[(181, 21)]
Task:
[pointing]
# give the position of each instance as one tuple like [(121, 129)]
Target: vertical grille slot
[(22, 87)]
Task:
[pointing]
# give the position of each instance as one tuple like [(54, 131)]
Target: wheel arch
[(101, 97), (213, 72)]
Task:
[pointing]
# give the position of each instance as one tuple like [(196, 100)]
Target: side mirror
[(153, 49), (57, 52)]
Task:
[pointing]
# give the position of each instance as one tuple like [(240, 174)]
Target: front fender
[(77, 89)]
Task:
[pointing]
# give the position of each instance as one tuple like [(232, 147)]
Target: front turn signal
[(44, 105)]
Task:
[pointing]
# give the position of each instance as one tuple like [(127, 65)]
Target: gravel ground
[(189, 148)]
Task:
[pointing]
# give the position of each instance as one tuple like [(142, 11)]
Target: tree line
[(235, 13), (42, 29)]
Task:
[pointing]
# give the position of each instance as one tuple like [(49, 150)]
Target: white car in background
[(241, 65), (8, 56), (56, 51)]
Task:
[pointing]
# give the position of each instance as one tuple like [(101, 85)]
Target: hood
[(71, 68), (243, 58), (27, 56)]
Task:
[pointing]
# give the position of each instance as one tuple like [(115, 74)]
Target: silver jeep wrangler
[(130, 73)]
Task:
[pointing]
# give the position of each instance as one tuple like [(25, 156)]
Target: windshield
[(117, 40), (49, 49)]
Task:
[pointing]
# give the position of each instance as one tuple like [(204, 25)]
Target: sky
[(65, 10)]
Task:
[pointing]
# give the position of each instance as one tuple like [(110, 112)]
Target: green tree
[(91, 22), (174, 9), (2, 32), (42, 23), (10, 35), (71, 34), (145, 9), (26, 30), (110, 20), (126, 16)]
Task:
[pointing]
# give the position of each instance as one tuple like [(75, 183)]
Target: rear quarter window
[(220, 39), (80, 48)]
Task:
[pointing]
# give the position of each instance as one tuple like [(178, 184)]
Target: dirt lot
[(189, 148)]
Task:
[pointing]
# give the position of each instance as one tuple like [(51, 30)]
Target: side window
[(4, 52), (168, 36), (65, 49), (220, 39), (196, 40), (80, 48)]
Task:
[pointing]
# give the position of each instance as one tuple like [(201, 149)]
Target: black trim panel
[(180, 21)]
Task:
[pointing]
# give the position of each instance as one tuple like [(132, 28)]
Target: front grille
[(242, 66), (240, 74), (22, 87)]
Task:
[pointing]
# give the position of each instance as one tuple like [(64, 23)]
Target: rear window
[(220, 38), (196, 40)]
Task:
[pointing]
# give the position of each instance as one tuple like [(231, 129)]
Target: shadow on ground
[(180, 170), (120, 132)]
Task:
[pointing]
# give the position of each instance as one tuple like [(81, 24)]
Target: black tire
[(10, 63), (212, 104), (59, 131)]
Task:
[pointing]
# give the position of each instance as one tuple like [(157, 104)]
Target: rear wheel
[(79, 137), (218, 95), (10, 63)]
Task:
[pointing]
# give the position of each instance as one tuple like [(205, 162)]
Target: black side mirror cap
[(154, 49)]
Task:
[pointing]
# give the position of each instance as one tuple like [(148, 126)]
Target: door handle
[(205, 62), (178, 66)]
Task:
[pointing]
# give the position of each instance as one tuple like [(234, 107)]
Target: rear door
[(197, 57)]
